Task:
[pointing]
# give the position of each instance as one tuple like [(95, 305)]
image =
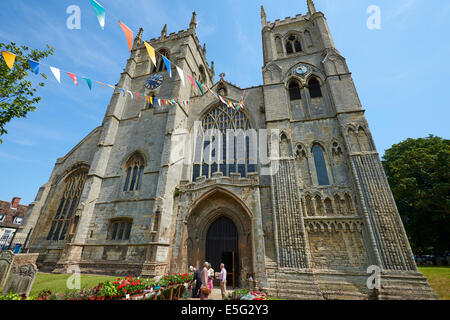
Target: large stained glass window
[(225, 144), (67, 206)]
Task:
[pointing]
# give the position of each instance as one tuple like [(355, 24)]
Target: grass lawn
[(56, 283), (439, 279)]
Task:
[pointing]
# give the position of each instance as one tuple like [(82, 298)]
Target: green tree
[(17, 93), (418, 171)]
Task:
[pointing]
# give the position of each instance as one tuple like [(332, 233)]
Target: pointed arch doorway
[(217, 228), (222, 246)]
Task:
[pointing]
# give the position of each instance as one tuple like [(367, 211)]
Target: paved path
[(215, 295)]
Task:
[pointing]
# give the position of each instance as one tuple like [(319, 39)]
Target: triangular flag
[(167, 62), (192, 80), (148, 100), (112, 86), (101, 84), (73, 77), (131, 94), (128, 34), (151, 99), (89, 83), (122, 91), (34, 66), (100, 12), (139, 97), (56, 73), (159, 102), (9, 58), (151, 52), (181, 74), (200, 87)]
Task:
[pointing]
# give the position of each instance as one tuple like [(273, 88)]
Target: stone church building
[(128, 200)]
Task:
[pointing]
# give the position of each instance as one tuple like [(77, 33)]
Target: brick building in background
[(12, 223)]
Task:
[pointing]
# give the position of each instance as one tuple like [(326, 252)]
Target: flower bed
[(244, 294), (169, 287)]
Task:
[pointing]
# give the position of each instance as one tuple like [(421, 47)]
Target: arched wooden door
[(222, 247)]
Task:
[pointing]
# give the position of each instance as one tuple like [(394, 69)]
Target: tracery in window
[(293, 45), (71, 196), (216, 150), (134, 173)]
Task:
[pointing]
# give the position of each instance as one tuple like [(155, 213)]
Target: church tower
[(331, 185)]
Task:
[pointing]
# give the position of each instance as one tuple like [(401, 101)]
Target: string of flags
[(100, 12)]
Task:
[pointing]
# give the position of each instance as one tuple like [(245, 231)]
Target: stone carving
[(21, 280), (6, 260)]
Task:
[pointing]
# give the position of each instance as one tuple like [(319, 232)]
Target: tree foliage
[(17, 93), (418, 171)]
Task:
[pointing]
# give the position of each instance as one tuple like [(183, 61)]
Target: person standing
[(223, 281), (204, 277), (210, 277), (197, 283)]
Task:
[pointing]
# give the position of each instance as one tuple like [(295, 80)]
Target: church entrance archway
[(219, 228), (222, 247)]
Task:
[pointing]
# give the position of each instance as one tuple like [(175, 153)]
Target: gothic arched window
[(217, 149), (321, 166), (71, 197), (160, 65), (134, 173), (293, 44), (294, 91), (279, 46), (202, 74), (314, 88)]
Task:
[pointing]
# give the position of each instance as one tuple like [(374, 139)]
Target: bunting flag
[(114, 88), (181, 74), (139, 97), (89, 83), (192, 81), (131, 94), (128, 34), (151, 52), (167, 63), (73, 77), (34, 66), (102, 84), (122, 91), (56, 73), (200, 87), (100, 12), (151, 99), (9, 58)]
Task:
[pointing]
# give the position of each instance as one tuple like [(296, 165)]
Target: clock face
[(154, 81), (301, 70)]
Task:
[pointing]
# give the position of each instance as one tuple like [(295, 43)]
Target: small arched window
[(314, 88), (294, 91), (293, 44), (279, 45), (202, 74), (321, 166), (134, 173)]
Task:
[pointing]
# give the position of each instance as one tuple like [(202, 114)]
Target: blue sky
[(400, 71)]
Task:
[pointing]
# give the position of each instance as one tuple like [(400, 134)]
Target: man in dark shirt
[(198, 283)]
